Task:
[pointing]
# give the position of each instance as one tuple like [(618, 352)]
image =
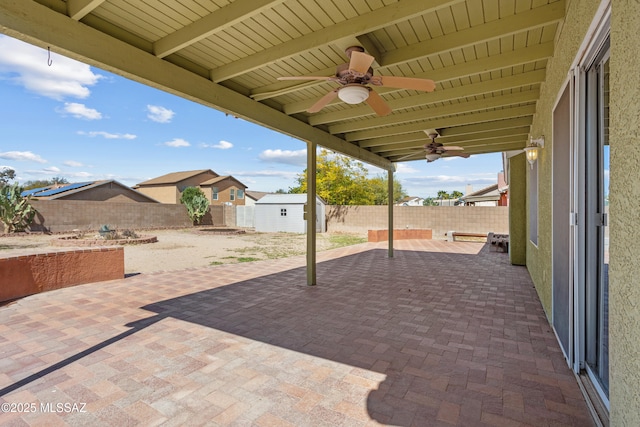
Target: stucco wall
[(624, 208), (518, 236), (163, 194)]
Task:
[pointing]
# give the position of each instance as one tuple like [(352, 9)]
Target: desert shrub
[(196, 203), (16, 212)]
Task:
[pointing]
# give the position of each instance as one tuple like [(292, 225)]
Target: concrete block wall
[(440, 219), (67, 215)]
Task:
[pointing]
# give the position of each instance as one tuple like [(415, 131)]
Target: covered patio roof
[(487, 58), (444, 333)]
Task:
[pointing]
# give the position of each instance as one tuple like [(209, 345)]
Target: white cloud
[(288, 157), (73, 164), (176, 142), (222, 145), (22, 156), (27, 66), (266, 174), (80, 111), (159, 114), (108, 135), (404, 168)]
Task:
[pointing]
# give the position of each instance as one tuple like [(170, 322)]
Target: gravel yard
[(189, 248)]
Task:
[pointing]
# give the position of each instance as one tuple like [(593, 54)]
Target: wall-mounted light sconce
[(532, 149)]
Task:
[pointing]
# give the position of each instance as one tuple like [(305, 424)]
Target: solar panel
[(32, 191), (63, 189)]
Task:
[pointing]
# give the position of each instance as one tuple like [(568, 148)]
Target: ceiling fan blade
[(452, 148), (406, 156), (322, 102), (360, 62), (425, 85), (306, 78), (378, 104)]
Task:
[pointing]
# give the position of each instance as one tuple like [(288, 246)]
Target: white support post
[(390, 191)]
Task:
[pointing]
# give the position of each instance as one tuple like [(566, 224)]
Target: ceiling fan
[(354, 77), (435, 150)]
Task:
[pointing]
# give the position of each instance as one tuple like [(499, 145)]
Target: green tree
[(443, 195), (6, 175), (456, 194), (39, 183), (379, 187), (16, 212), (429, 201), (196, 203), (341, 180)]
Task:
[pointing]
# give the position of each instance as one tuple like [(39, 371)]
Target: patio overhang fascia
[(40, 26)]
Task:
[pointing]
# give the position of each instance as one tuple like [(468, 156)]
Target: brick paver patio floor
[(441, 334)]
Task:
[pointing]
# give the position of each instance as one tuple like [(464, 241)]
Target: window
[(283, 212), (240, 194), (214, 193), (232, 194)]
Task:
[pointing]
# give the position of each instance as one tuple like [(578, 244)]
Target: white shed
[(285, 212)]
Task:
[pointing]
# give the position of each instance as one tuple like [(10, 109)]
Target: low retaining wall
[(27, 274), (399, 234)]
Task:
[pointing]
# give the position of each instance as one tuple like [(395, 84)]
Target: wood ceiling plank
[(534, 18), (215, 22), (78, 9), (483, 127), (444, 122), (361, 25), (446, 110)]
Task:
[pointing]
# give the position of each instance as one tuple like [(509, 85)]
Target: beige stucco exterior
[(624, 211), (624, 279)]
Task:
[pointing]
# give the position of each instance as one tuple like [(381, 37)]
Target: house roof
[(53, 192), (256, 195), (175, 177), (219, 179), (488, 63), (410, 198), (485, 194), (285, 199)]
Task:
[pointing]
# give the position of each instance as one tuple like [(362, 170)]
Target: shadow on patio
[(441, 334)]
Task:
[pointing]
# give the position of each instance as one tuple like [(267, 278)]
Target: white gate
[(245, 216)]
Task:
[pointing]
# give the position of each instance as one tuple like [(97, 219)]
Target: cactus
[(197, 208), (16, 212)]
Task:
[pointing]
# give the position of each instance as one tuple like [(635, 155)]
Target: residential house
[(218, 189), (224, 190), (96, 191), (410, 201)]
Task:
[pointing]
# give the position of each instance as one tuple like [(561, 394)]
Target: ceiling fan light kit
[(432, 157), (353, 94), (354, 77)]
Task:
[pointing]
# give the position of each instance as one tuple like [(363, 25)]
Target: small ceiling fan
[(435, 150), (354, 78)]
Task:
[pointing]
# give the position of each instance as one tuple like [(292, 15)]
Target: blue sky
[(82, 123)]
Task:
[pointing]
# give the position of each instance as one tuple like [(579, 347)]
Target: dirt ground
[(180, 249)]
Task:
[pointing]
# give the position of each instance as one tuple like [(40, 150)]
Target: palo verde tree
[(341, 180), (196, 203)]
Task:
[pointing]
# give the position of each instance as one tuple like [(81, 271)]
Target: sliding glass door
[(596, 179)]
